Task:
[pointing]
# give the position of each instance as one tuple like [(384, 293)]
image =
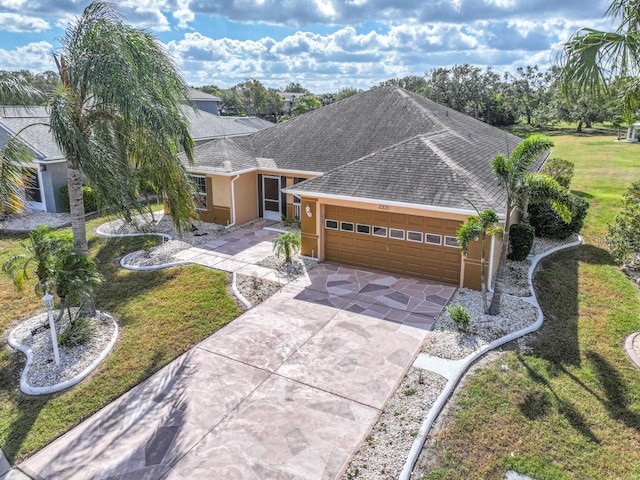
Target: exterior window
[(450, 241), (432, 239), (31, 185), (396, 233), (331, 224), (414, 236), (346, 226), (379, 231), (363, 229), (200, 196)]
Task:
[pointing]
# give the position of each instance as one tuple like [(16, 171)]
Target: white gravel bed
[(447, 341), (160, 222), (30, 221), (384, 452), (517, 282), (159, 255), (541, 244), (297, 267), (255, 289), (43, 371)]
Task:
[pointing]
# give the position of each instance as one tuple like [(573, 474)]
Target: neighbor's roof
[(384, 144), (194, 95), (206, 126), (38, 136)]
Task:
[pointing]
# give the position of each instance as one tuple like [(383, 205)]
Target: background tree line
[(528, 95)]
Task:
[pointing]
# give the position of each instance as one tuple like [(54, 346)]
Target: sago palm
[(286, 244)]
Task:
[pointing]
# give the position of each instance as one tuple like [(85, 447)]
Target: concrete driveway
[(289, 390)]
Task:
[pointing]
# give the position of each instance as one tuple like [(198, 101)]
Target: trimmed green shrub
[(547, 223), (560, 170), (89, 198), (459, 315), (623, 235), (79, 330), (520, 241)]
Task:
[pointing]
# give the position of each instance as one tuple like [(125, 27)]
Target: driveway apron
[(288, 390)]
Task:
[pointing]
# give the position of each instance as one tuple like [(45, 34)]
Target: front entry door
[(271, 197)]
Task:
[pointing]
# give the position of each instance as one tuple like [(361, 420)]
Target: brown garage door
[(400, 243)]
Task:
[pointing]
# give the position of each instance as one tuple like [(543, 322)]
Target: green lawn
[(161, 315), (571, 408)]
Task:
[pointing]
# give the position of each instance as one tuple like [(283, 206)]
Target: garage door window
[(331, 224), (432, 239), (363, 229), (346, 226), (379, 231), (414, 236), (450, 242), (396, 233)]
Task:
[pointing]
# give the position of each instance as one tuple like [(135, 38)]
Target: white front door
[(271, 197)]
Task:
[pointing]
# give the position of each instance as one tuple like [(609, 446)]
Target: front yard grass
[(161, 315), (571, 408)]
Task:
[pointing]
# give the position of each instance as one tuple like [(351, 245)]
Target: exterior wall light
[(308, 211)]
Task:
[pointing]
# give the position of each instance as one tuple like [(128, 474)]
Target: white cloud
[(14, 22), (33, 56)]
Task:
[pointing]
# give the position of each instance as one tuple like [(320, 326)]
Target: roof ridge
[(457, 168)]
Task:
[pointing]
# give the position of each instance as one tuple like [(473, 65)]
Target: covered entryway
[(401, 243), (271, 197)]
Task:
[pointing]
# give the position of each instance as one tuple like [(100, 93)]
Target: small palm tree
[(522, 188), (286, 244), (41, 250), (72, 275), (485, 224)]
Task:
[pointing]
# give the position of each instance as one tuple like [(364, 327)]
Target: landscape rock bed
[(383, 453), (43, 371), (161, 254), (255, 289), (30, 221), (290, 271)]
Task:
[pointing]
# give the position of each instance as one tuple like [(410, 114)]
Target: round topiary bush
[(520, 241), (547, 223)]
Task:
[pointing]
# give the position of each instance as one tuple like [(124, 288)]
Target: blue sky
[(324, 45)]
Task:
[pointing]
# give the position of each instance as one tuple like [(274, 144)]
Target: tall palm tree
[(521, 188), (116, 112), (592, 59)]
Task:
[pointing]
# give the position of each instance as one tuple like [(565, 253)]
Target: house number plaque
[(383, 207)]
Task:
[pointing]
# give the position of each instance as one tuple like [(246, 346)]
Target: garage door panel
[(389, 254)]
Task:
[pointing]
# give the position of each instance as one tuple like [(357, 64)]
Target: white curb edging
[(442, 399), (147, 268), (237, 293), (30, 390)]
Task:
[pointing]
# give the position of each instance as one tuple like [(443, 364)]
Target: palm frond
[(14, 158)]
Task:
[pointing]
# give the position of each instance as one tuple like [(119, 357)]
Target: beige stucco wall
[(246, 195)]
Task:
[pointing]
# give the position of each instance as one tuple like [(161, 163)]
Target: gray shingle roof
[(194, 94), (37, 136), (206, 126), (386, 144), (223, 156)]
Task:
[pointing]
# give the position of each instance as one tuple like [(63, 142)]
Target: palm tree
[(474, 228), (116, 113), (73, 275), (522, 188), (41, 251), (286, 244), (592, 59)]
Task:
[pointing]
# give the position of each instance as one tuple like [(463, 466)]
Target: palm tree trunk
[(483, 281), (498, 290), (76, 206), (79, 228)]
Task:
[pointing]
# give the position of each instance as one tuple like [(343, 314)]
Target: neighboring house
[(289, 100), (204, 101), (381, 179), (49, 170)]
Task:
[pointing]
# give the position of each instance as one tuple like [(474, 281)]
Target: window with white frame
[(414, 236), (450, 241), (363, 229), (346, 226), (396, 233), (432, 239), (379, 231), (200, 195), (331, 224)]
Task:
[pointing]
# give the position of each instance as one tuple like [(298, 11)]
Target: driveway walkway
[(288, 390)]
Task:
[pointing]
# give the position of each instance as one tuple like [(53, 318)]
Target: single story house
[(49, 171), (382, 179)]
